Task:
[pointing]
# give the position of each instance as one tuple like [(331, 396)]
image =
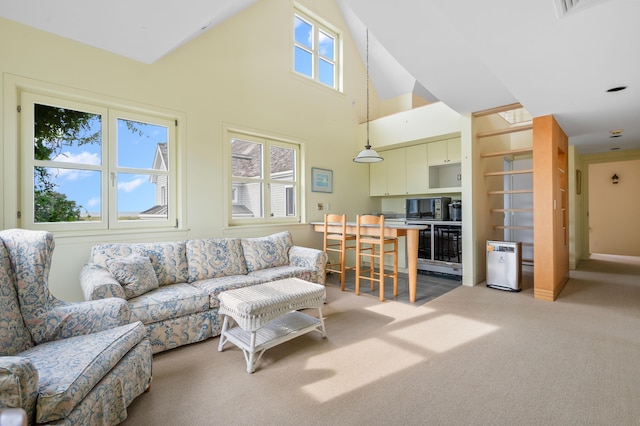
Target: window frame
[(318, 25), (111, 111), (266, 142)]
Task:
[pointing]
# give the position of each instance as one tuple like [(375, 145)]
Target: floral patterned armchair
[(63, 363)]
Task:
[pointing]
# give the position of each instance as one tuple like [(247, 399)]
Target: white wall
[(236, 74), (613, 208)]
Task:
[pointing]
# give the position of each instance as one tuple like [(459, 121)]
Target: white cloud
[(132, 184), (82, 158), (93, 202)]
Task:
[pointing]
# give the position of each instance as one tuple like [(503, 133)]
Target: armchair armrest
[(98, 283), (66, 319), (18, 384), (311, 258)]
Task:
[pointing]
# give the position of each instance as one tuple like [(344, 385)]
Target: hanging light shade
[(368, 155)]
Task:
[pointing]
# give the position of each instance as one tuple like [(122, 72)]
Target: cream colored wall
[(587, 194), (613, 208), (236, 74)]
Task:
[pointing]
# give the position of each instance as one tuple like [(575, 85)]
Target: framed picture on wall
[(321, 180)]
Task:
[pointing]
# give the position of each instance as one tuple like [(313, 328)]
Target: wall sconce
[(614, 179)]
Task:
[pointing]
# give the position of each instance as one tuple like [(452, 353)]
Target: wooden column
[(550, 200)]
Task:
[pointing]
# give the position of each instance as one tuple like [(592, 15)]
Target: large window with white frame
[(316, 49), (264, 184), (90, 165)]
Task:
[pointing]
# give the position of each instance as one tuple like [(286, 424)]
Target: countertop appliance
[(455, 210), (435, 208), (504, 265)]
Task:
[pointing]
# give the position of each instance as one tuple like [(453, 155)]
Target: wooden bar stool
[(337, 242), (371, 244)]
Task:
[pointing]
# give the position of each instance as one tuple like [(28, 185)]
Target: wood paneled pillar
[(550, 200)]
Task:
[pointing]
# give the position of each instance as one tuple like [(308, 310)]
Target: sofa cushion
[(166, 302), (215, 257), (14, 336), (169, 259), (282, 272), (214, 286), (134, 273), (70, 368), (267, 252)]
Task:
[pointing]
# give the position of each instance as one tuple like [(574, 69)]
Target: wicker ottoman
[(265, 315)]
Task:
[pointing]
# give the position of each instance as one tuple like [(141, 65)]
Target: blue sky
[(135, 192)]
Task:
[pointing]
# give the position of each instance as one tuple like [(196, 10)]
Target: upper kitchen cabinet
[(417, 174), (388, 177), (444, 152)]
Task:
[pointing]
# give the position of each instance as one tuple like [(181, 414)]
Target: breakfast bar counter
[(391, 229)]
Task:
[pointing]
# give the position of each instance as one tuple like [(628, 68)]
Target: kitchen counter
[(391, 229)]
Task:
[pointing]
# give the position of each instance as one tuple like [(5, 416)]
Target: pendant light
[(368, 155)]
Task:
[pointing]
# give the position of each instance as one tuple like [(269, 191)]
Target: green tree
[(54, 128)]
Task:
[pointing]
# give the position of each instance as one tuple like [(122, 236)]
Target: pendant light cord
[(368, 146)]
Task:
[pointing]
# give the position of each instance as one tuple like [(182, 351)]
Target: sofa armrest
[(313, 259), (98, 283), (18, 384)]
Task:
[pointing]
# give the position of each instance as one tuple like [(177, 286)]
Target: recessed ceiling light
[(616, 89), (616, 131)]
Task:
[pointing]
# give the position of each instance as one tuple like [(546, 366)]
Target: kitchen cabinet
[(417, 172), (388, 177), (444, 152)]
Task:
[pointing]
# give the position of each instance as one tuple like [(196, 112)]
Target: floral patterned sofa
[(173, 287), (63, 363)]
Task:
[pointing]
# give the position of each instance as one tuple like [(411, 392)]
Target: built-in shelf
[(508, 152), (512, 227), (505, 131), (511, 210), (508, 172), (511, 191)]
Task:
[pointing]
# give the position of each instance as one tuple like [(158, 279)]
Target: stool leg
[(381, 276)]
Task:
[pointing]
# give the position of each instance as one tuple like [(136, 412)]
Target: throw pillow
[(214, 257), (134, 273), (267, 252)]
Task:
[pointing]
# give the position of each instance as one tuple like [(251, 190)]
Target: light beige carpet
[(475, 356)]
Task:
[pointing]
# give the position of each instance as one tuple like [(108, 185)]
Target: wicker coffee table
[(266, 315)]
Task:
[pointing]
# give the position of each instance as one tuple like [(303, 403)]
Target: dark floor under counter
[(429, 286)]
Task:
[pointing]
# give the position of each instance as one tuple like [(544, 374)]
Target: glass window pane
[(326, 73), (303, 62), (63, 134), (281, 198), (66, 195), (142, 145), (248, 203), (326, 45), (142, 197), (282, 163), (246, 159), (303, 32)]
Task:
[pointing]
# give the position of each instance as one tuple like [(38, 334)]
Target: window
[(315, 51), (264, 180), (95, 166)]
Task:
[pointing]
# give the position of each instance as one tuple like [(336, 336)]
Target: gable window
[(264, 180), (96, 166), (316, 50)]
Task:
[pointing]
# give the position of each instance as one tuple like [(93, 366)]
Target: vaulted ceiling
[(472, 55)]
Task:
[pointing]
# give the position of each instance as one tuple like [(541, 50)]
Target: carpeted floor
[(473, 356)]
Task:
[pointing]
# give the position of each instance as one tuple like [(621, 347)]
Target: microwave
[(435, 208)]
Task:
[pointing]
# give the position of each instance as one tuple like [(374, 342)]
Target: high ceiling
[(472, 55)]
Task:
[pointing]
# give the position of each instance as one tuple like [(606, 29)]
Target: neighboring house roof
[(248, 163), (156, 210), (241, 210), (159, 160)]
